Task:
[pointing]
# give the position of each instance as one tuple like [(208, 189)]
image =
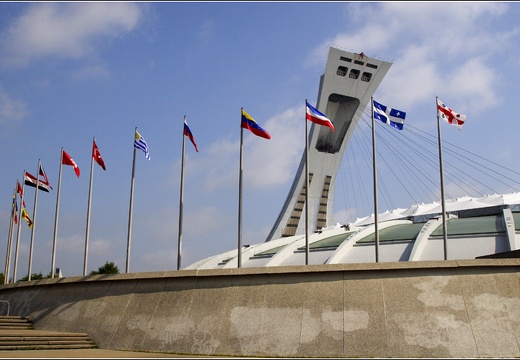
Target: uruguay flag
[(389, 116), (140, 143)]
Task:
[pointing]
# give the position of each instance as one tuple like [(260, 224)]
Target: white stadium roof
[(490, 225)]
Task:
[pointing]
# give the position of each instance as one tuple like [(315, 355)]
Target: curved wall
[(468, 308)]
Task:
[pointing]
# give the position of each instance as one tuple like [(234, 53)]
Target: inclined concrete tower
[(346, 88)]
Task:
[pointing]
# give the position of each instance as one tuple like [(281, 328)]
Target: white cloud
[(99, 247), (417, 76), (11, 111), (71, 243), (65, 30), (221, 157), (477, 80), (204, 221), (273, 162), (70, 254), (266, 163)]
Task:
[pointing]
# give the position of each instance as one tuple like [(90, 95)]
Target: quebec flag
[(392, 117)]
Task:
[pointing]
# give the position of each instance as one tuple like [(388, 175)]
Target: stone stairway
[(18, 333)]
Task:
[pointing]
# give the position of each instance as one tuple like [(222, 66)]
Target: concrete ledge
[(468, 308), (275, 270)]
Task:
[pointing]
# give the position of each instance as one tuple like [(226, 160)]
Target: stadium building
[(485, 226)]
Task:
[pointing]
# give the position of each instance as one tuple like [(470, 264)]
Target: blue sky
[(73, 71)]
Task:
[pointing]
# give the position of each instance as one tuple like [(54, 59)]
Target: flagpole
[(444, 224), (306, 190), (239, 248), (6, 266), (8, 251), (19, 228), (34, 220), (181, 198), (10, 237), (130, 213), (53, 268), (87, 232), (376, 228)]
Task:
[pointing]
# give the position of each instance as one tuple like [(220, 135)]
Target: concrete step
[(46, 347), (4, 339), (4, 318), (14, 323), (17, 333), (45, 342), (16, 327)]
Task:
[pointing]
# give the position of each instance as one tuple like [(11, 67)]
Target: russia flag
[(317, 117)]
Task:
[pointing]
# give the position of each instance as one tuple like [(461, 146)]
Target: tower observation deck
[(346, 87)]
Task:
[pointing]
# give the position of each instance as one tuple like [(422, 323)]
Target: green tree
[(35, 276), (108, 268)]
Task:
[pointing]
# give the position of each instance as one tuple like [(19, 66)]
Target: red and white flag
[(19, 190), (447, 114), (67, 160), (97, 155)]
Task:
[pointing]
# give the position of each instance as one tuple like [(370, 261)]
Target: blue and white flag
[(392, 117), (140, 143)]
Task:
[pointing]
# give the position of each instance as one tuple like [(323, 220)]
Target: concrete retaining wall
[(467, 308)]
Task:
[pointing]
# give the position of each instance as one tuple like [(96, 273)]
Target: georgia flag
[(449, 115)]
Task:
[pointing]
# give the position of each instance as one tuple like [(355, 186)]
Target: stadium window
[(354, 74), (342, 71), (366, 76)]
